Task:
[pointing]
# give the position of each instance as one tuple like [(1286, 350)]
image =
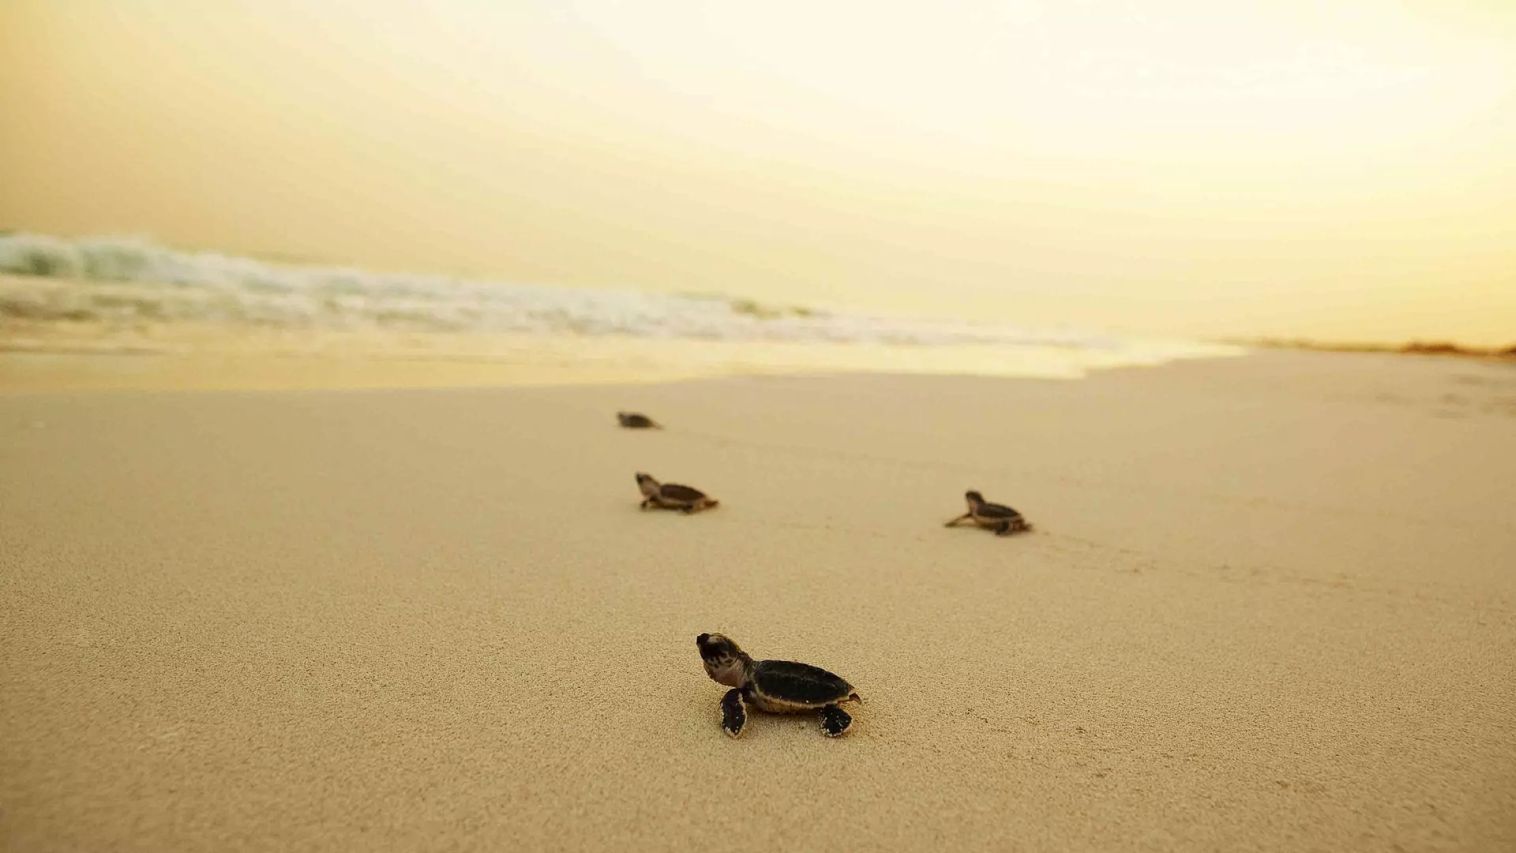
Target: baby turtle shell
[(636, 420), (797, 685)]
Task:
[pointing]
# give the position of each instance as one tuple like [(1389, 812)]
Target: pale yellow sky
[(1341, 170)]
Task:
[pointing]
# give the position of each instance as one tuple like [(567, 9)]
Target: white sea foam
[(126, 281)]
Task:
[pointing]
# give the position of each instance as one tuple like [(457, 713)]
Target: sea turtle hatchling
[(636, 420), (997, 517), (672, 495), (775, 686)]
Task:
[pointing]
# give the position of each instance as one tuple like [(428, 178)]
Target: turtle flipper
[(959, 520), (699, 506), (1011, 525), (835, 721), (733, 712)]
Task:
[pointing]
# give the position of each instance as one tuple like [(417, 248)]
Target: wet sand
[(1270, 604)]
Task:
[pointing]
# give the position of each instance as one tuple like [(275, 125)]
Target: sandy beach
[(1270, 604)]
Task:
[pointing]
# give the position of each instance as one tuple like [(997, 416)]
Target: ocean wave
[(129, 280)]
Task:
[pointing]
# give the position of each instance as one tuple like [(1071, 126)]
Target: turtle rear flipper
[(700, 505), (733, 712), (835, 721), (1012, 525)]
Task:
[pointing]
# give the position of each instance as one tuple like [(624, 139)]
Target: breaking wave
[(126, 280)]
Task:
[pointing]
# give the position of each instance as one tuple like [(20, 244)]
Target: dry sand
[(1271, 604)]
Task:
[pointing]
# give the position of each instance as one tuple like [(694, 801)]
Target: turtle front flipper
[(733, 712), (959, 520), (835, 721)]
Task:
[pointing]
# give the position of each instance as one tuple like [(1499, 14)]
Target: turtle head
[(725, 662), (973, 497), (647, 484)]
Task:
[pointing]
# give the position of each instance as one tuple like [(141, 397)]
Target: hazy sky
[(1341, 169)]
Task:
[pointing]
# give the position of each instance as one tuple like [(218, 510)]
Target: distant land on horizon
[(1407, 348)]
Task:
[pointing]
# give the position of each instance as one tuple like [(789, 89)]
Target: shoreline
[(565, 362), (209, 359)]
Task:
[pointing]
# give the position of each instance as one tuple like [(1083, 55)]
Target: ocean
[(131, 295)]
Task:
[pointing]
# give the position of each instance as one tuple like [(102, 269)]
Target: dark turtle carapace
[(775, 686), (672, 495), (636, 420), (997, 517)]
